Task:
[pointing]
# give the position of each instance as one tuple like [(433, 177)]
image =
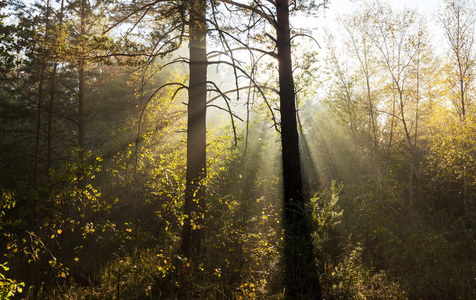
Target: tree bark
[(301, 278), (195, 192), (38, 124), (51, 104), (81, 94), (40, 100), (50, 122)]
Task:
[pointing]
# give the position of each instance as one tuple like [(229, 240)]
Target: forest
[(194, 149)]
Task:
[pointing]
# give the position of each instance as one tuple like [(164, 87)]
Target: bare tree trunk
[(51, 104), (50, 122), (413, 174), (371, 110), (81, 93), (40, 101), (38, 124), (301, 278), (195, 192)]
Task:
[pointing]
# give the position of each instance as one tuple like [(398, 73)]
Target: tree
[(458, 19), (42, 80), (195, 192), (350, 109), (298, 250), (401, 41), (52, 93), (360, 45), (7, 56), (172, 23), (175, 20), (301, 278)]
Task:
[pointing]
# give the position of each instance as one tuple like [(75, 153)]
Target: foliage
[(8, 287), (393, 216), (345, 275), (350, 279)]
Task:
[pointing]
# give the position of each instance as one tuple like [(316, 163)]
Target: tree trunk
[(50, 122), (40, 99), (81, 80), (301, 277), (51, 104), (38, 124), (81, 112), (195, 192)]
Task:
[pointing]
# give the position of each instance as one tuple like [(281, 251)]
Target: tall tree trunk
[(38, 123), (81, 93), (50, 122), (301, 278), (195, 192), (51, 104), (81, 112), (40, 99), (371, 111)]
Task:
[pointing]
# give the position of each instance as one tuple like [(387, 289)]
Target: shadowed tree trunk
[(52, 101), (40, 100), (301, 277), (38, 124), (194, 206), (81, 80)]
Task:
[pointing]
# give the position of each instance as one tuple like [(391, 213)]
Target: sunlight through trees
[(215, 150)]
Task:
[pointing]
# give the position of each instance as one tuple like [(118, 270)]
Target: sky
[(421, 5), (327, 19), (336, 7), (426, 7)]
